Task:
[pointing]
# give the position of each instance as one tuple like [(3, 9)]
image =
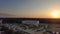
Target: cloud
[(6, 15)]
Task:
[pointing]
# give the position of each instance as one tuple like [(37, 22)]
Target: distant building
[(1, 21)]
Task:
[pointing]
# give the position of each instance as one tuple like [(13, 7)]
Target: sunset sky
[(28, 8)]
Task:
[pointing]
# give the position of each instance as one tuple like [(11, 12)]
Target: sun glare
[(55, 14)]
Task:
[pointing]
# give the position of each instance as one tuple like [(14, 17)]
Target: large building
[(31, 22)]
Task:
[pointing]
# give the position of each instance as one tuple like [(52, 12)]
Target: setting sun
[(55, 14)]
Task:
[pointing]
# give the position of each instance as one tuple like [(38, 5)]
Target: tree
[(6, 30)]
